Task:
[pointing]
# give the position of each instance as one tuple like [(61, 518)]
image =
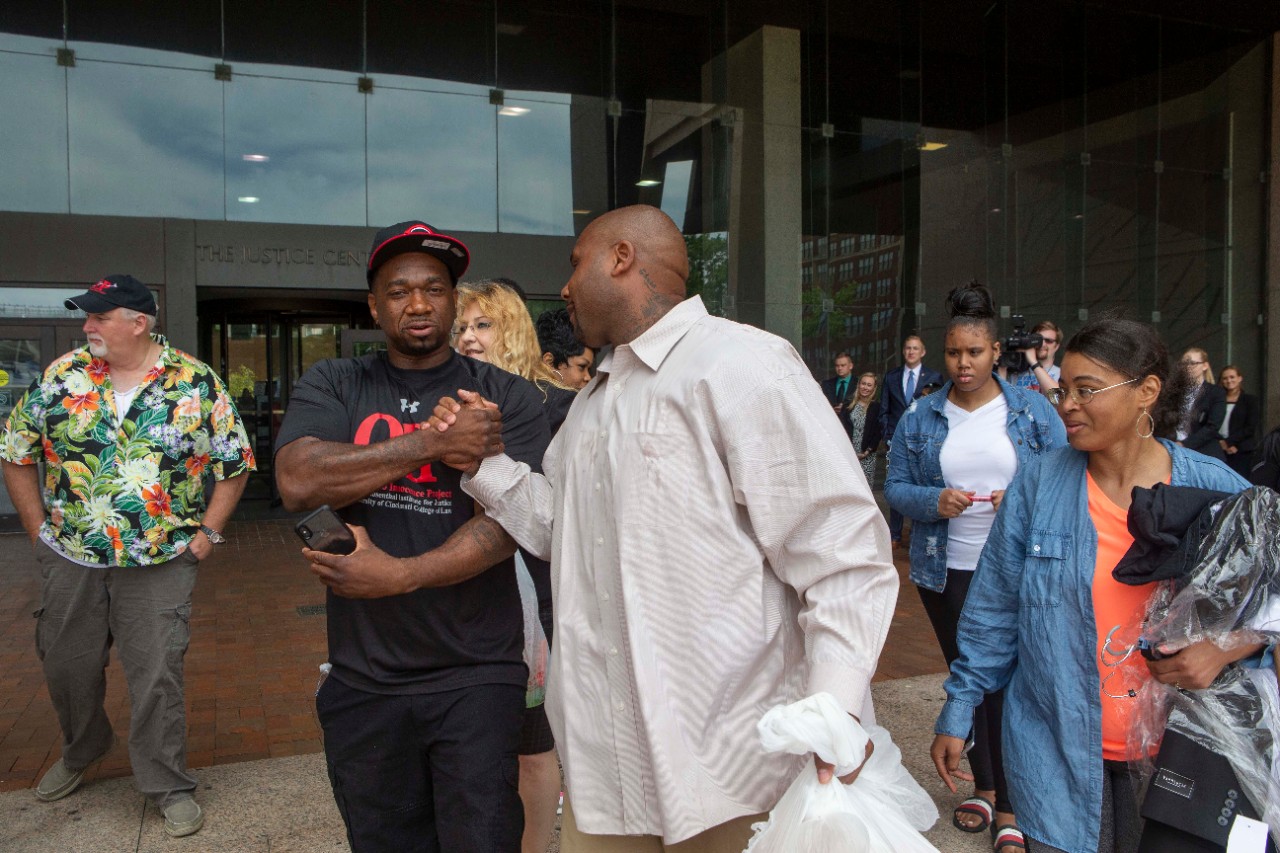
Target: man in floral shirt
[(130, 430)]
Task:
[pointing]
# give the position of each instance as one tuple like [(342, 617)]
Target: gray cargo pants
[(145, 611)]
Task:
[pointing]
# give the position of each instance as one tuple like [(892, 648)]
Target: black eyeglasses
[(1082, 396)]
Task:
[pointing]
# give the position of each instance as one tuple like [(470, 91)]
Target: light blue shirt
[(915, 478), (1028, 627)]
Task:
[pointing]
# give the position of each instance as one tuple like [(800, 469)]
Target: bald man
[(714, 553)]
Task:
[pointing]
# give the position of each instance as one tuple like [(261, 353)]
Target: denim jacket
[(915, 468), (1028, 626)]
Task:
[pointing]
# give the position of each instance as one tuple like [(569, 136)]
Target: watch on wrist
[(214, 536)]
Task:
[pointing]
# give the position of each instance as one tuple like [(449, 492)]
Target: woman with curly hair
[(494, 325)]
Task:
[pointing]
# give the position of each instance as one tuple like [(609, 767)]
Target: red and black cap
[(417, 236), (114, 291)]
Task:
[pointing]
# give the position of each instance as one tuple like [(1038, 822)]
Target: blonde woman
[(864, 417), (1204, 407), (494, 325)]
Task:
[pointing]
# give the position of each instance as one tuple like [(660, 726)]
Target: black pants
[(425, 773), (1121, 826), (895, 524), (986, 759)]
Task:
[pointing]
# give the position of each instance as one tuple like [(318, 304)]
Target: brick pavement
[(251, 670)]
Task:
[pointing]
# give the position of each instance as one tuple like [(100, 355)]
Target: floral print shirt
[(126, 492)]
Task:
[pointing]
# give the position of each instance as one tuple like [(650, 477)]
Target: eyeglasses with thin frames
[(1082, 396)]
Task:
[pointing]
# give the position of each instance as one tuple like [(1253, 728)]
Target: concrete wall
[(180, 257)]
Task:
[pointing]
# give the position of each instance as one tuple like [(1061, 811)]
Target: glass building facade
[(836, 167)]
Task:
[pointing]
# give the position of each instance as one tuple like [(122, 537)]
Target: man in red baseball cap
[(423, 707), (415, 236)]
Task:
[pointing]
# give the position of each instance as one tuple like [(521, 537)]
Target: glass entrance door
[(24, 351), (261, 354)]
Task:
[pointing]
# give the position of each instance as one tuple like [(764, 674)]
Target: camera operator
[(1027, 361)]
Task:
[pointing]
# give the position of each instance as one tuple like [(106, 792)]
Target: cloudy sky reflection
[(142, 132)]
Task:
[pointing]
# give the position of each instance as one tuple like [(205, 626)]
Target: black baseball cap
[(415, 236), (114, 291)]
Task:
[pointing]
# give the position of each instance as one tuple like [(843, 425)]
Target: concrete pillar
[(759, 77), (179, 315)]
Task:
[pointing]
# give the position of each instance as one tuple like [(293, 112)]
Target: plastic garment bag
[(883, 811), (1231, 596)]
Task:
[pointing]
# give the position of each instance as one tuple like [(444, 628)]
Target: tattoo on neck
[(648, 280)]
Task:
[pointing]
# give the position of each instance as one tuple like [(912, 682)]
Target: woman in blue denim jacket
[(953, 456), (1029, 624)]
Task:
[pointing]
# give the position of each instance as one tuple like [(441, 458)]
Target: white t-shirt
[(976, 457), (124, 399), (1226, 421)]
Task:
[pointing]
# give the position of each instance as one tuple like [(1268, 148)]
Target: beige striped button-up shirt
[(715, 551)]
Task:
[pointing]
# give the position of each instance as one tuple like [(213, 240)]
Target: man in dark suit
[(901, 386), (839, 388)]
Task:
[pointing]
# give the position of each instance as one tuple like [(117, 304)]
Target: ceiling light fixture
[(513, 111), (254, 158), (648, 182), (248, 199), (932, 146)]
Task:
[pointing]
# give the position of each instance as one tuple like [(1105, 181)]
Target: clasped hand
[(471, 430)]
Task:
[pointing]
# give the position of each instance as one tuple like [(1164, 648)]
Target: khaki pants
[(731, 837), (145, 612)]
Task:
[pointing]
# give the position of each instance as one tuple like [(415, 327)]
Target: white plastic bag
[(535, 640), (884, 811)]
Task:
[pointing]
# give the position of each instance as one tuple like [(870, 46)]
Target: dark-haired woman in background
[(952, 457), (1045, 620), (561, 351), (1239, 428)]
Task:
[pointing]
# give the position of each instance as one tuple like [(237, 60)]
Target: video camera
[(1011, 356)]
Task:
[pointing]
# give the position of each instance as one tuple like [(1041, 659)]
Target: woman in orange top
[(1045, 620)]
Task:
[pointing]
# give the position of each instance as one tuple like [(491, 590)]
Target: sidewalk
[(258, 636)]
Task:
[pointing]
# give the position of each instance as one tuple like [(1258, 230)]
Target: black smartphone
[(322, 530)]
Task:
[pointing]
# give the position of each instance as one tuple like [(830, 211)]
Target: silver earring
[(1151, 425)]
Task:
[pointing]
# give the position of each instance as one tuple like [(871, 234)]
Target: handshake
[(464, 432)]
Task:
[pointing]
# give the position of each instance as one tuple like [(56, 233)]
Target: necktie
[(910, 393), (840, 389)]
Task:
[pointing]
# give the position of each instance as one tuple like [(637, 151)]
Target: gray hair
[(130, 315)]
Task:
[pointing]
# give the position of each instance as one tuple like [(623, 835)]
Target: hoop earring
[(1151, 425)]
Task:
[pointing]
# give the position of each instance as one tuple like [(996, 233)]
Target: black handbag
[(1192, 800)]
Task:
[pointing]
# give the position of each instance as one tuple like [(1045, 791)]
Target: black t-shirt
[(556, 405), (432, 639)]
